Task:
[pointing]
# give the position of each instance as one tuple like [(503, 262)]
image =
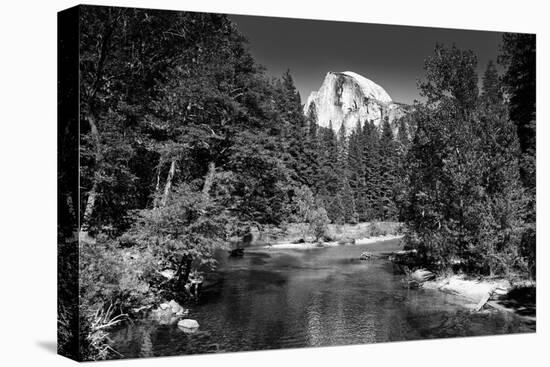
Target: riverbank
[(300, 234), (496, 293), (293, 298), (309, 245)]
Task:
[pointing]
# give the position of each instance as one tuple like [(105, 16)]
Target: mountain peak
[(370, 88), (346, 98)]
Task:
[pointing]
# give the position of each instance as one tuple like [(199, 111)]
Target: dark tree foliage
[(388, 169), (295, 130), (185, 143), (518, 56), (362, 173), (451, 75), (357, 173), (165, 94), (464, 199), (492, 88)]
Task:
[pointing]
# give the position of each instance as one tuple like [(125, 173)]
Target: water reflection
[(319, 297)]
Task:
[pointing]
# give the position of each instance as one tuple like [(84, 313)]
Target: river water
[(274, 299)]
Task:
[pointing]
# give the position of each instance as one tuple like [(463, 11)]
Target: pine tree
[(311, 159), (329, 160), (518, 56), (329, 182), (403, 143), (464, 198), (388, 166), (348, 202), (492, 91), (356, 175), (371, 157), (403, 134), (506, 198), (295, 130)]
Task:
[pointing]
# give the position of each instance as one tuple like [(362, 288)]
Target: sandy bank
[(474, 290), (304, 246), (480, 293)]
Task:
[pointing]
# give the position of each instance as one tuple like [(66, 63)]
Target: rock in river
[(422, 275), (175, 307), (188, 325), (366, 256), (169, 313)]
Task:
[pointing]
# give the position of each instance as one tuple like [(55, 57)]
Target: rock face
[(347, 97)]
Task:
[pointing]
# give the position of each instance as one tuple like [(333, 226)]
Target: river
[(274, 299)]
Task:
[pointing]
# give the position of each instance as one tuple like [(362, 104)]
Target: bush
[(374, 230), (319, 223), (113, 281), (528, 249)]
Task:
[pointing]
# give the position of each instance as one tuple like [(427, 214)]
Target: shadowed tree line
[(469, 199)]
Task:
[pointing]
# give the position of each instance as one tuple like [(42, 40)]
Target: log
[(483, 301)]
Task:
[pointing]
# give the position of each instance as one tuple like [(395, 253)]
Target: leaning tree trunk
[(184, 267), (168, 184), (157, 186), (92, 194), (89, 210), (102, 57), (208, 180)]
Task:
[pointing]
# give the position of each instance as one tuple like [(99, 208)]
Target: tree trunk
[(92, 194), (157, 186), (89, 210), (209, 180), (183, 277), (168, 184)]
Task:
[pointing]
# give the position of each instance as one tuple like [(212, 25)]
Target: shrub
[(319, 223)]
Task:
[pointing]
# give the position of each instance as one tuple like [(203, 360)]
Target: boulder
[(238, 252), (164, 317), (346, 241), (182, 312), (167, 320), (188, 324), (366, 256), (422, 275), (174, 306), (169, 313), (168, 273)]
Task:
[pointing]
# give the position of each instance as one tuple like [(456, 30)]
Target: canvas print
[(235, 183)]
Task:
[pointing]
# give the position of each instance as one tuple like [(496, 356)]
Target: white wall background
[(28, 181)]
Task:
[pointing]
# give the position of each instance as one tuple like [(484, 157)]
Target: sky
[(391, 56)]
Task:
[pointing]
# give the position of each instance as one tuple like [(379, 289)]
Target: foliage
[(310, 214), (319, 223), (67, 295), (464, 196), (518, 56), (185, 232)]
